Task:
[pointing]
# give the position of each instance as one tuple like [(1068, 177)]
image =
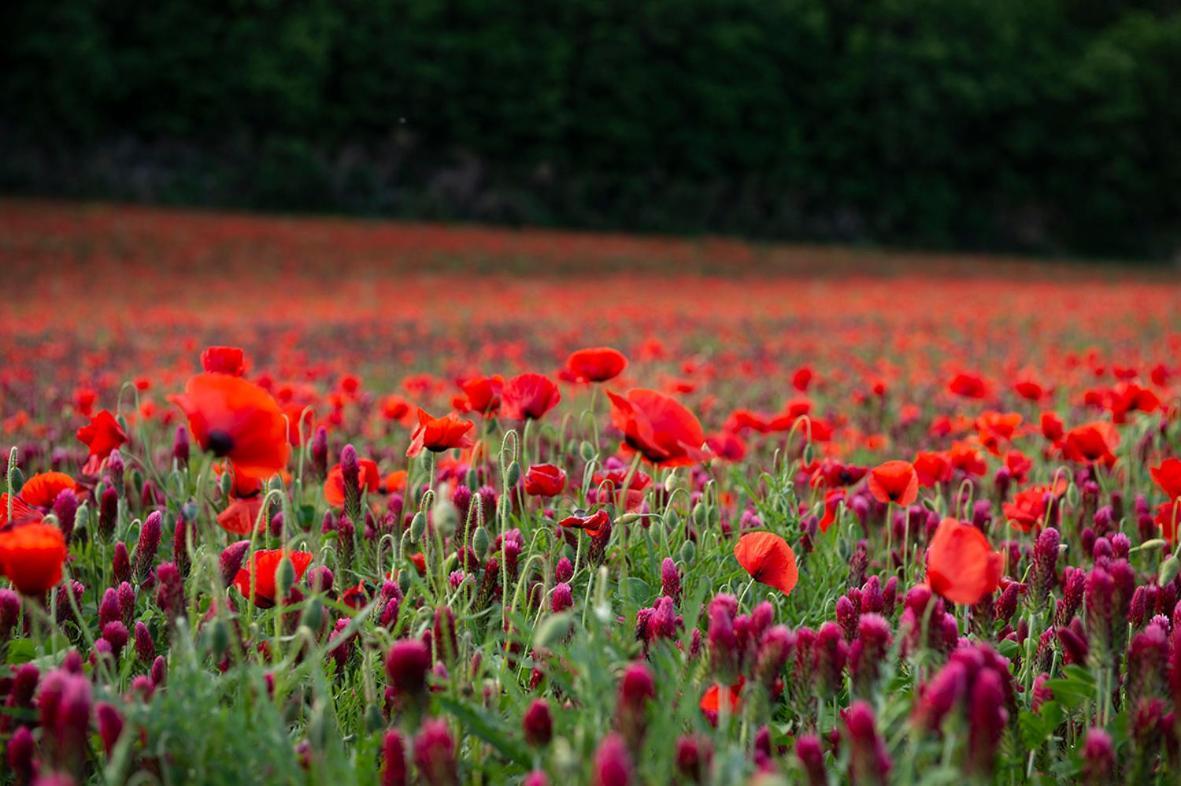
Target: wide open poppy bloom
[(265, 565), (483, 394), (1129, 397), (238, 420), (961, 565), (596, 364), (932, 468), (439, 434), (996, 428), (41, 490), (1092, 443), (1168, 477), (894, 481), (545, 480), (658, 427), (1028, 508), (529, 396), (594, 524), (768, 559), (224, 360), (334, 484), (31, 556), (101, 435)]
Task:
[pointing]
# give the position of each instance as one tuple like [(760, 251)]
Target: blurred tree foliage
[(1047, 125)]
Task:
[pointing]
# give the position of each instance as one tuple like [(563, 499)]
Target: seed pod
[(513, 474), (418, 526), (688, 551)]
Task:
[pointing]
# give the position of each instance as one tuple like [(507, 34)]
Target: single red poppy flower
[(41, 490), (961, 565), (395, 408), (529, 396), (711, 700), (658, 427), (1167, 476), (1130, 397), (241, 515), (22, 512), (1092, 443), (545, 480), (334, 483), (594, 524), (238, 420), (1167, 516), (727, 446), (894, 481), (31, 556), (966, 458), (1029, 390), (768, 559), (932, 468), (1052, 428), (1027, 509), (597, 364), (265, 566), (968, 386), (483, 394), (101, 435), (439, 434), (224, 360), (418, 559)]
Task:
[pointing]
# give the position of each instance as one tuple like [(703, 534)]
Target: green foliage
[(1046, 124)]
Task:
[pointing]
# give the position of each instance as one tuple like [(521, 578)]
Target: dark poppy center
[(220, 443)]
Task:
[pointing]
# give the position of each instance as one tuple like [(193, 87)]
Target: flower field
[(325, 501)]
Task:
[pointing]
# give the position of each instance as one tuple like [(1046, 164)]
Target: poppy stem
[(890, 536)]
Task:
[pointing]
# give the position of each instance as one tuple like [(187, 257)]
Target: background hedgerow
[(905, 529)]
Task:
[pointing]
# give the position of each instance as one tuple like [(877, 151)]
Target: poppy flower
[(224, 360), (439, 434), (832, 502), (1167, 476), (334, 484), (1052, 428), (22, 512), (1029, 390), (768, 559), (41, 490), (727, 446), (966, 458), (968, 386), (1018, 464), (995, 428), (264, 564), (395, 481), (1130, 397), (832, 473), (545, 480), (597, 364), (236, 419), (894, 481), (932, 468), (961, 565), (483, 394), (396, 408), (1091, 443), (529, 396), (658, 427), (101, 435), (31, 556), (1168, 514), (594, 524), (711, 700), (241, 515), (1027, 509)]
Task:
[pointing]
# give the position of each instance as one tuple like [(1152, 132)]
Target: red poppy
[(1029, 390), (101, 435), (768, 559), (1052, 428), (395, 408), (241, 514), (1027, 509), (727, 446), (370, 480), (894, 481), (439, 434), (238, 420), (833, 473), (42, 489), (968, 385), (224, 360), (22, 512), (31, 556), (597, 364), (395, 481), (483, 394), (529, 396), (1018, 465), (961, 565), (832, 502), (711, 700), (1167, 476), (658, 427), (1130, 397), (1092, 443), (594, 524), (1167, 516), (932, 468), (966, 458), (995, 428), (418, 559), (545, 480), (265, 566)]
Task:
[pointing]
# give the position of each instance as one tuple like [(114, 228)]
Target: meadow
[(323, 500)]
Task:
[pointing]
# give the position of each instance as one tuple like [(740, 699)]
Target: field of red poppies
[(312, 501)]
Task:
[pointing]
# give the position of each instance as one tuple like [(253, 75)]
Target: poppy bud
[(418, 526), (434, 754), (612, 764), (810, 752), (393, 759), (538, 724), (1098, 757), (65, 508), (688, 552), (145, 648), (230, 561), (670, 579), (869, 761), (406, 665)]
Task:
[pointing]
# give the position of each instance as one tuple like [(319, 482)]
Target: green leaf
[(488, 728)]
